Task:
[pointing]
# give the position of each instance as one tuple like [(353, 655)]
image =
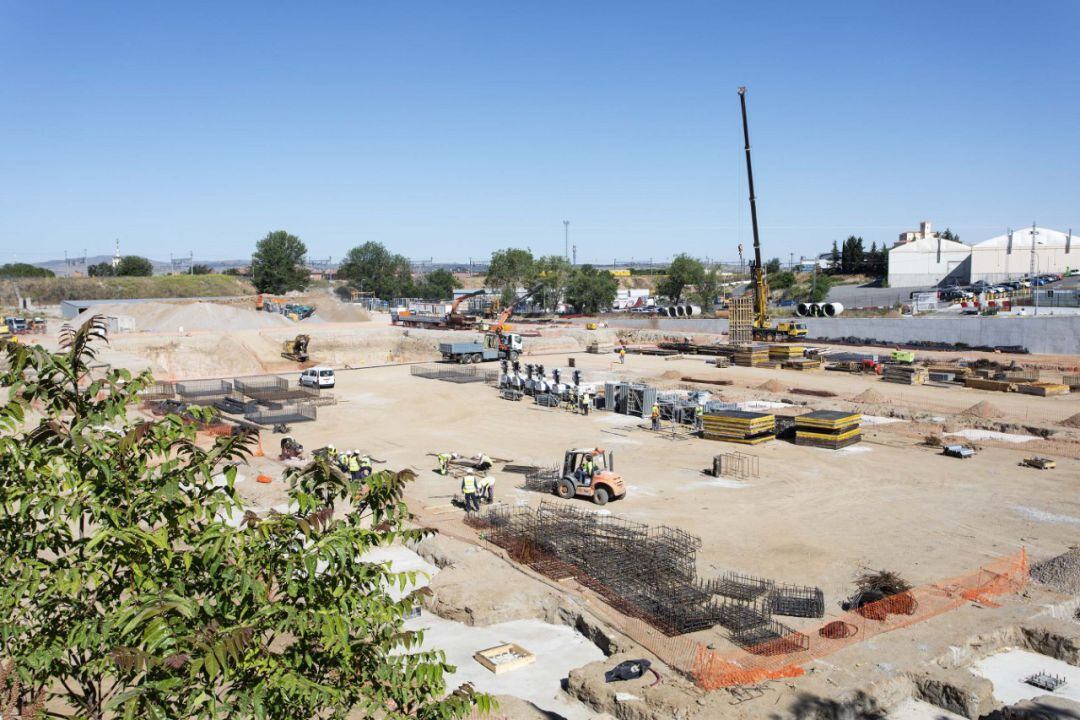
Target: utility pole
[(791, 261), (566, 239), (574, 261), (1031, 271)]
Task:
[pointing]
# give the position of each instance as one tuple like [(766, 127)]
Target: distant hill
[(49, 291), (64, 268)]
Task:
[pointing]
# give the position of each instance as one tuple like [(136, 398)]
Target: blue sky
[(448, 129)]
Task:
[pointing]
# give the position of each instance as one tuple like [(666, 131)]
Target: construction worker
[(354, 466), (486, 489), (655, 416), (365, 466), (483, 462), (699, 417), (585, 472), (468, 489), (586, 401), (622, 355), (444, 463)]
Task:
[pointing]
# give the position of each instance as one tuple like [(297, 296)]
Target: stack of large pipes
[(680, 311), (818, 309)]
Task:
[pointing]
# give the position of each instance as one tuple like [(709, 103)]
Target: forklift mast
[(757, 269)]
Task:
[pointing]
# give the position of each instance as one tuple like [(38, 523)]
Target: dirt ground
[(811, 517)]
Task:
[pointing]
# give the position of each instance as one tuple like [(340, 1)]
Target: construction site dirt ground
[(811, 516)]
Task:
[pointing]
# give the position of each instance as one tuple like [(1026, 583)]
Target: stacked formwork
[(739, 426), (831, 429)]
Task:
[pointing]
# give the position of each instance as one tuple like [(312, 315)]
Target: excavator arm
[(462, 298), (509, 309)]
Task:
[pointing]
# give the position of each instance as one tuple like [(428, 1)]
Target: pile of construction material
[(649, 572), (260, 399), (629, 398), (738, 426), (905, 374), (831, 429), (449, 373), (783, 353), (1043, 389), (1061, 573), (752, 355)]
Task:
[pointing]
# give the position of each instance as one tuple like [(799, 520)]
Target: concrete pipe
[(679, 310), (815, 310), (666, 312), (833, 309), (802, 309), (692, 310)]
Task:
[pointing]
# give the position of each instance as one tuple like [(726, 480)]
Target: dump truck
[(494, 346)]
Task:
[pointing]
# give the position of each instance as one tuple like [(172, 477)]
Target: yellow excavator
[(763, 328), (296, 349)]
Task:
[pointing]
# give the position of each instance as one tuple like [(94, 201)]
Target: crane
[(763, 328), (454, 319), (499, 324)]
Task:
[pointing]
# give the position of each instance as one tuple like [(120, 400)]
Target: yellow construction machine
[(296, 349)]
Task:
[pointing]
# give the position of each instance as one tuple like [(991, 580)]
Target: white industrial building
[(1008, 257), (929, 261)]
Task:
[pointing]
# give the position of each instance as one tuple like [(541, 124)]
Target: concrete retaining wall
[(1048, 335)]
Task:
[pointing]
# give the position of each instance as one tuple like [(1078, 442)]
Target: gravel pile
[(1073, 422), (869, 395), (1061, 573), (984, 410), (773, 386)]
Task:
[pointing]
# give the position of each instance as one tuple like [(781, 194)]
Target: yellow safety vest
[(486, 482), (656, 411), (468, 485), (354, 466)]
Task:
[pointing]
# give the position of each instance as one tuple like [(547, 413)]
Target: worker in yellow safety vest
[(444, 463), (354, 466), (365, 466), (483, 462), (655, 417), (699, 417), (468, 489), (586, 402)]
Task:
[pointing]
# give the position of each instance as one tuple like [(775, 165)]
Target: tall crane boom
[(757, 269)]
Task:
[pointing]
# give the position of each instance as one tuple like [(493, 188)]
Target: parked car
[(319, 376)]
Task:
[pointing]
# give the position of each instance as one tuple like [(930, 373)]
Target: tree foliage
[(372, 268), (199, 269), (590, 290), (854, 258), (101, 269), (24, 270), (683, 271), (134, 266), (772, 266), (553, 275), (707, 289), (510, 269), (137, 586), (278, 263), (950, 235), (439, 284)]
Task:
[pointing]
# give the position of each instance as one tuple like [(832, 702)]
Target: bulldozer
[(601, 486), (296, 349)]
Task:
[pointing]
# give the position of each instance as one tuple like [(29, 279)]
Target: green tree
[(852, 256), (782, 280), (372, 268), (772, 266), (137, 586), (509, 270), (834, 258), (438, 284), (819, 288), (278, 263), (24, 270), (950, 235), (590, 290), (554, 273), (102, 269), (683, 271), (198, 269), (134, 266), (707, 290)]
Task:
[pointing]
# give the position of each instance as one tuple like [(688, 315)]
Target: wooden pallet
[(504, 658)]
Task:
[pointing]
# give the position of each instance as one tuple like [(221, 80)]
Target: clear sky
[(447, 129)]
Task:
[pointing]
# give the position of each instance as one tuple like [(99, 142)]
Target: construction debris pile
[(831, 429), (1061, 572), (648, 572)]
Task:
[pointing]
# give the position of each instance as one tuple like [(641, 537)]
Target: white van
[(319, 376)]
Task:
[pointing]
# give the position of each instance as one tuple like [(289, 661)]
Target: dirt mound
[(671, 375), (870, 395), (771, 386), (182, 317), (330, 310), (1061, 573), (1073, 422), (984, 409)]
